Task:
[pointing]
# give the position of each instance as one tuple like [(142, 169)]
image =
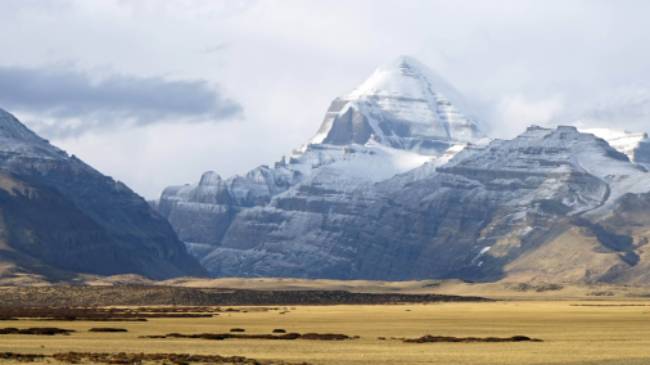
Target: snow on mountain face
[(633, 144), (559, 154), (429, 222), (403, 105)]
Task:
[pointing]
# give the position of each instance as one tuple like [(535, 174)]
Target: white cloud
[(516, 112)]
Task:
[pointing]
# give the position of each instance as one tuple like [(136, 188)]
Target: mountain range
[(400, 182)]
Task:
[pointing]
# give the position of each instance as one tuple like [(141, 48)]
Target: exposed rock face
[(389, 189), (59, 215), (642, 152)]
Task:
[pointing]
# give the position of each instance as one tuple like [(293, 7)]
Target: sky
[(154, 93)]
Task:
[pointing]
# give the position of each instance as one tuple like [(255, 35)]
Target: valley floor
[(572, 332)]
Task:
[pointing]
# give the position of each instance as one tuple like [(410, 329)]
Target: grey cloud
[(74, 103)]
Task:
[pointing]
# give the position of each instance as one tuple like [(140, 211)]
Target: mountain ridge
[(59, 216)]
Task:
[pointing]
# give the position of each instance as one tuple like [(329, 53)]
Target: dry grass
[(505, 289), (508, 290), (603, 335)]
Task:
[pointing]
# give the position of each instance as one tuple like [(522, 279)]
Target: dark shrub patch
[(161, 358), (107, 329), (20, 357), (325, 336), (40, 331), (432, 339), (241, 336)]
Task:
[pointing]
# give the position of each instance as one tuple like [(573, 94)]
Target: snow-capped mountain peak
[(403, 105), (404, 77), (401, 118)]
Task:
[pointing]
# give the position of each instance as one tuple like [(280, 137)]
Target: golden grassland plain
[(602, 332)]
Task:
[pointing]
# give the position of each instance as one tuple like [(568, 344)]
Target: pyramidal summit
[(403, 105)]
